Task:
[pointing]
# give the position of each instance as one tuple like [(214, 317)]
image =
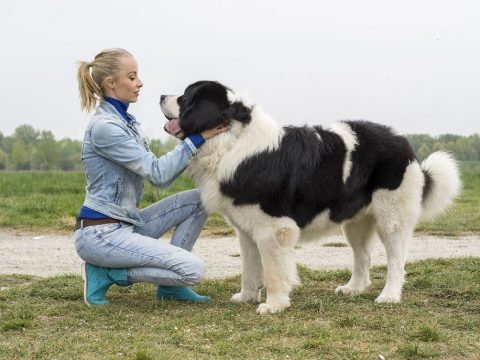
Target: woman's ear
[(109, 83), (238, 111)]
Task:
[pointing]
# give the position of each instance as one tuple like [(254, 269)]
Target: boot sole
[(84, 277)]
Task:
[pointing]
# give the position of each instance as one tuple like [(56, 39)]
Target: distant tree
[(159, 147), (45, 153), (423, 152), (7, 144), (3, 159), (27, 134), (69, 154), (464, 150), (20, 156)]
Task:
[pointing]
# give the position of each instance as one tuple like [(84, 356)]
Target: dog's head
[(204, 105)]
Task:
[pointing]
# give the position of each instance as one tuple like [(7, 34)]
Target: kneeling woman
[(119, 242)]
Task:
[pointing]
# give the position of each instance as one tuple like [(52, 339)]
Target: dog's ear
[(238, 111)]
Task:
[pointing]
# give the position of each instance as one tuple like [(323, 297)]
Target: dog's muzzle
[(173, 128)]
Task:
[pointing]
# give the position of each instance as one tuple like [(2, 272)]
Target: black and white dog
[(281, 185)]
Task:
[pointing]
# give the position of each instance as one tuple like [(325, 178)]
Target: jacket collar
[(110, 108)]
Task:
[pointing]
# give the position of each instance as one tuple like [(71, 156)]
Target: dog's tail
[(442, 183)]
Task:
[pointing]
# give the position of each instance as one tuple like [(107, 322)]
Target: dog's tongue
[(173, 126)]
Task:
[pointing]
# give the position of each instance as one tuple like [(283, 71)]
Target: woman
[(119, 242)]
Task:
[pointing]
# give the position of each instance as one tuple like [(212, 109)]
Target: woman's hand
[(207, 134)]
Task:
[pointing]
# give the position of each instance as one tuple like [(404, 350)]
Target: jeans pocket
[(81, 238), (106, 229)]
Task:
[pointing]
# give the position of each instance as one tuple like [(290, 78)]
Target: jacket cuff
[(190, 146), (197, 140)]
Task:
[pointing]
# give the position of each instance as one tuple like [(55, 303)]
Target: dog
[(278, 186)]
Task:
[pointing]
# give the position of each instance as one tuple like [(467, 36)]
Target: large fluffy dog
[(280, 185)]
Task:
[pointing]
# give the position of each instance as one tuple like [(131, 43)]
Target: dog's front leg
[(252, 272), (277, 251)]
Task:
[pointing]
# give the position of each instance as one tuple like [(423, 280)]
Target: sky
[(412, 64)]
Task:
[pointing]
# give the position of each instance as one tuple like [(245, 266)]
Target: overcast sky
[(411, 64)]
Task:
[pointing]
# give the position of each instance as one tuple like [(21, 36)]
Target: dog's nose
[(162, 97)]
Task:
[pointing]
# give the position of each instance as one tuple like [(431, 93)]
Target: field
[(438, 319), (32, 201), (46, 318)]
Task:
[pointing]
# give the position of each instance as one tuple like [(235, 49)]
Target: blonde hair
[(91, 75)]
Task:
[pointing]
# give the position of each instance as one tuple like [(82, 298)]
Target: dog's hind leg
[(396, 243), (396, 213), (252, 272), (277, 251), (359, 234)]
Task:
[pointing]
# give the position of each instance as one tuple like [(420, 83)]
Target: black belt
[(81, 223)]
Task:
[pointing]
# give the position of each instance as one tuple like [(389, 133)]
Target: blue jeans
[(137, 248)]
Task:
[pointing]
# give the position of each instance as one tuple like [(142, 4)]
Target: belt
[(81, 223)]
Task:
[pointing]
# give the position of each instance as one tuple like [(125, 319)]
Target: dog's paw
[(387, 299), (269, 309), (238, 298), (273, 307), (247, 298), (347, 290)]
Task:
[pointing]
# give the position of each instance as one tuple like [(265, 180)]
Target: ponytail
[(91, 76), (90, 93)]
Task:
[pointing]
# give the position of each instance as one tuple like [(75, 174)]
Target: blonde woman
[(119, 242)]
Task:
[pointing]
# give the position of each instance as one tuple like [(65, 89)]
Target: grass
[(39, 201), (438, 319), (50, 200)]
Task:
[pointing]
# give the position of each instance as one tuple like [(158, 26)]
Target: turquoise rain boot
[(179, 293), (98, 279)]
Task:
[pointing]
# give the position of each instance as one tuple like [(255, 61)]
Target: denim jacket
[(116, 158)]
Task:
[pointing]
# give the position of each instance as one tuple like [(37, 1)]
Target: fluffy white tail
[(442, 183)]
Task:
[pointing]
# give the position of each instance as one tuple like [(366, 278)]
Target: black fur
[(304, 176), (207, 100), (427, 186)]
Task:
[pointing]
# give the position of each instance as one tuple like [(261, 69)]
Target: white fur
[(350, 140), (233, 97), (170, 106), (261, 134), (320, 226), (446, 183)]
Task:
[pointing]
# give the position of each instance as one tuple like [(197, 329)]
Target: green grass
[(51, 200), (33, 201), (438, 319)]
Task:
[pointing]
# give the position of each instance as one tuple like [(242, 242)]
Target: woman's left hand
[(207, 134)]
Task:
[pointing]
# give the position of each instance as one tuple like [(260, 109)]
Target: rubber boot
[(179, 293), (97, 281)]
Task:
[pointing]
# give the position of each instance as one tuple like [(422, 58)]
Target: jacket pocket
[(119, 192)]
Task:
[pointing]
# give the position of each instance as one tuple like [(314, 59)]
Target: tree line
[(31, 149)]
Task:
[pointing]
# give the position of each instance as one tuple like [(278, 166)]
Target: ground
[(47, 254)]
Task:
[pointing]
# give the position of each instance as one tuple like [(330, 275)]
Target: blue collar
[(120, 106)]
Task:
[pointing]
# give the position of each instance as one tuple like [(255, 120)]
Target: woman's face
[(126, 84)]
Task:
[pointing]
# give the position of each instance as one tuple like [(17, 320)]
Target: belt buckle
[(81, 223)]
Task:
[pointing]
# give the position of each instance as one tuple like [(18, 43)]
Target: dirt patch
[(54, 254)]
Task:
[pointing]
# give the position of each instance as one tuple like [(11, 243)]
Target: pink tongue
[(173, 126)]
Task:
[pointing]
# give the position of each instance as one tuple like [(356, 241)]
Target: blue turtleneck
[(120, 106)]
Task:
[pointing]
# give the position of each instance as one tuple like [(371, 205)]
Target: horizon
[(169, 137)]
